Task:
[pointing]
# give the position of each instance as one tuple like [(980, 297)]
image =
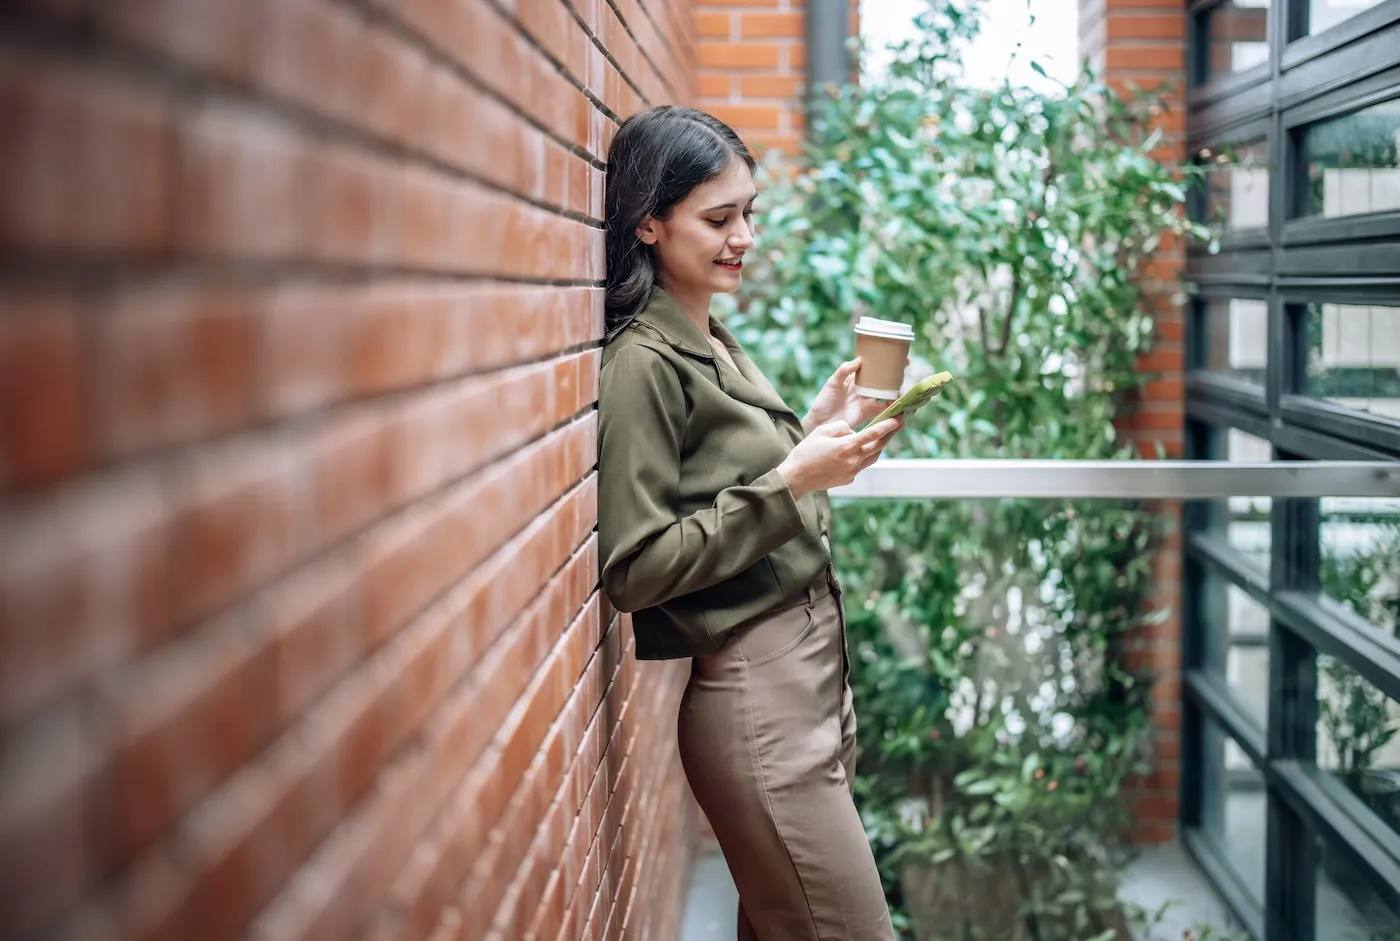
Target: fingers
[(881, 430), (843, 374)]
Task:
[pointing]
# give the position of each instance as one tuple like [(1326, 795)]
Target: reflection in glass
[(1237, 180), (1354, 356), (1237, 37), (1234, 805), (1352, 162), (1237, 338), (1324, 14), (1360, 551), (1247, 518), (1237, 628), (1357, 724), (1348, 908)]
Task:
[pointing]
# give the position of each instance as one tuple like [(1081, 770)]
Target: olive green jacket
[(698, 532)]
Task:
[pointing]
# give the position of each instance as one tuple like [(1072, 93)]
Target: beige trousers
[(767, 738)]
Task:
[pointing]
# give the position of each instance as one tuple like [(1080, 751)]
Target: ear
[(647, 231)]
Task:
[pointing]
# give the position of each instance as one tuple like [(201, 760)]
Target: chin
[(727, 284)]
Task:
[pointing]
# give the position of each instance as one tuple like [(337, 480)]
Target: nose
[(742, 240)]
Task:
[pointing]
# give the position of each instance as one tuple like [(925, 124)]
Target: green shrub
[(999, 720)]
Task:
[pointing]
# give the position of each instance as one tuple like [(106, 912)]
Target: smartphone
[(918, 395)]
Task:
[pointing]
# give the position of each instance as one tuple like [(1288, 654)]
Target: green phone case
[(916, 398)]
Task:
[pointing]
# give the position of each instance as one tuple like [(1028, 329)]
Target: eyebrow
[(730, 205)]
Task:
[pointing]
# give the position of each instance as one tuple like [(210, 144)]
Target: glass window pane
[(1237, 338), (1237, 628), (1236, 35), (1323, 14), (1354, 356), (1233, 807), (1237, 186), (1347, 907), (1247, 518), (1352, 162), (1359, 541)]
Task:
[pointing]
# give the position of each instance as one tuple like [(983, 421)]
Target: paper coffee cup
[(883, 348)]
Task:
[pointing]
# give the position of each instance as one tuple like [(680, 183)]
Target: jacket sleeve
[(650, 553)]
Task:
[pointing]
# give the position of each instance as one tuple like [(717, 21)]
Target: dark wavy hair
[(657, 157)]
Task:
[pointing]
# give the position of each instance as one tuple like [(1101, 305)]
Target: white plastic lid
[(874, 326)]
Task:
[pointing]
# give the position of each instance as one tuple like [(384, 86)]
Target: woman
[(713, 533)]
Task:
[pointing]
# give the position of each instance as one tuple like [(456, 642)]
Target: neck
[(695, 304)]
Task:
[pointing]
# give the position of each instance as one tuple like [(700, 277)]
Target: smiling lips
[(731, 264)]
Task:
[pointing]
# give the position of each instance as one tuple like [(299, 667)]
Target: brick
[(208, 35), (504, 62), (45, 428), (352, 205), (748, 118), (241, 179), (47, 780), (787, 87), (299, 348), (1155, 809), (1165, 390), (559, 34), (175, 364), (1162, 359), (319, 55), (1149, 26), (86, 164), (714, 86), (183, 721), (395, 94), (426, 239), (1122, 56), (242, 518), (313, 633), (480, 135), (495, 234), (787, 143), (719, 55), (94, 565), (714, 25), (773, 25)]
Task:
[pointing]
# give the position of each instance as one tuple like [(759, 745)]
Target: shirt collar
[(665, 316), (748, 384)]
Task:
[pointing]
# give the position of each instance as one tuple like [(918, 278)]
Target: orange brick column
[(1144, 42), (752, 57)]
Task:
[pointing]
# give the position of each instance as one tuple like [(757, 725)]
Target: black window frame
[(1295, 261)]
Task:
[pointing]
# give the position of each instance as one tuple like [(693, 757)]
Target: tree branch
[(1010, 311)]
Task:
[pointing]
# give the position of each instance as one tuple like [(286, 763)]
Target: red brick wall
[(299, 628), (1144, 42)]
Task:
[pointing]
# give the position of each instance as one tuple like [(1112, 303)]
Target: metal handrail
[(1122, 480)]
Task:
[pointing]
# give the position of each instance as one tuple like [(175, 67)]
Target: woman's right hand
[(833, 454)]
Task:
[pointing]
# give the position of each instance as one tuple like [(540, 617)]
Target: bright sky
[(1052, 40)]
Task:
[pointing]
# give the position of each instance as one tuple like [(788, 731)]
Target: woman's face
[(701, 244)]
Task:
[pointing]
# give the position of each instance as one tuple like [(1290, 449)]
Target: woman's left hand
[(838, 399)]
